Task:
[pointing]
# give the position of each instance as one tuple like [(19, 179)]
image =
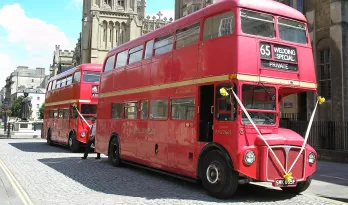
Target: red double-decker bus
[(200, 98), (77, 87)]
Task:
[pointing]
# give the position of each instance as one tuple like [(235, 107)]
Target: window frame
[(133, 51), (327, 93), (125, 110), (185, 29), (180, 98), (113, 64), (140, 109), (275, 26), (125, 52), (162, 38), (203, 26), (168, 110), (122, 111)]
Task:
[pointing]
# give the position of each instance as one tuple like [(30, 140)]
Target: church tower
[(107, 24)]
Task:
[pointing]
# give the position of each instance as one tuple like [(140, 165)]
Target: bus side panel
[(214, 55), (160, 69), (185, 63)]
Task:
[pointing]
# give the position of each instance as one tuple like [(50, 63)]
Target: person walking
[(91, 139)]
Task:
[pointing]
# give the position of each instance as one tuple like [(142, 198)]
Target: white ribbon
[(82, 117), (306, 136), (252, 122)]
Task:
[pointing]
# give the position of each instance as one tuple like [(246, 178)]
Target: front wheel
[(74, 145), (49, 138), (218, 177), (300, 187), (114, 152)]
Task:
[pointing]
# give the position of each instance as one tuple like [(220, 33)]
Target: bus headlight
[(95, 89), (83, 134), (249, 157), (311, 158)]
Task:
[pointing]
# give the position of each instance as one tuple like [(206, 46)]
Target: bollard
[(9, 131)]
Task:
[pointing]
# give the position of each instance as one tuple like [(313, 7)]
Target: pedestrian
[(91, 139)]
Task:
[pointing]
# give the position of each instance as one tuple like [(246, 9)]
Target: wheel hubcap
[(115, 152), (213, 174), (70, 141)]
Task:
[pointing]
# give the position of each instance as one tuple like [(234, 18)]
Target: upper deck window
[(109, 65), (257, 24), (187, 36), (77, 77), (219, 25), (292, 31), (136, 54), (91, 77), (122, 59), (163, 44)]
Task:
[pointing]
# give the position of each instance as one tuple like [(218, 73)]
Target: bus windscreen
[(259, 98), (91, 77), (257, 24), (292, 31)]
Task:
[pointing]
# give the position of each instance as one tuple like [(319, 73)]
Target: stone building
[(22, 78), (109, 23), (185, 7), (62, 61)]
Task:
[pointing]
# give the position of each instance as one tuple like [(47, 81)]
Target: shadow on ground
[(100, 176), (331, 172), (39, 147)]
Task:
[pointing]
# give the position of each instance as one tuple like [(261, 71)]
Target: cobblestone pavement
[(53, 175)]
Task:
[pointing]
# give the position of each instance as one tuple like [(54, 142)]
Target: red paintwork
[(76, 91), (236, 53)]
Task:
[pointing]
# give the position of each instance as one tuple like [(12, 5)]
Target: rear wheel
[(49, 138), (74, 145), (300, 187), (114, 152), (218, 177)]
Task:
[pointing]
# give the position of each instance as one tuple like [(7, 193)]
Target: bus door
[(206, 117), (225, 114)]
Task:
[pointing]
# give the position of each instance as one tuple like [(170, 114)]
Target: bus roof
[(267, 6), (82, 67)]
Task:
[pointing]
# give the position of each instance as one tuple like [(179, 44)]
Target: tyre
[(114, 153), (74, 145), (300, 187), (49, 138), (218, 176)]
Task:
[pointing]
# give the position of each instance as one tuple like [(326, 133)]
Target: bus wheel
[(300, 187), (48, 138), (218, 177), (74, 145), (114, 152)]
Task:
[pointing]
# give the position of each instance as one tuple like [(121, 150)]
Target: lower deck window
[(159, 109), (183, 109)]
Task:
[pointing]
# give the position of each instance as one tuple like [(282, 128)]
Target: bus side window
[(225, 108), (116, 110), (149, 49), (144, 109), (77, 77), (187, 36), (54, 85), (69, 80), (219, 25), (109, 65), (66, 113), (74, 114), (164, 44)]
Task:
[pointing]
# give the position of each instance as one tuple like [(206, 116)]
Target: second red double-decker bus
[(75, 88), (200, 97)]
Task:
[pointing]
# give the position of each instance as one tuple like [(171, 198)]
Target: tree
[(16, 108), (41, 111)]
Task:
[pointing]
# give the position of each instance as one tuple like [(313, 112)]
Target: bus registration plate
[(282, 182)]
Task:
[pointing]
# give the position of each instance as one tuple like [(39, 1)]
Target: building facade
[(109, 23), (62, 61), (22, 78), (185, 7)]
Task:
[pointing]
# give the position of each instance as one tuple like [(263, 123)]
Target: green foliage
[(17, 107), (41, 111)]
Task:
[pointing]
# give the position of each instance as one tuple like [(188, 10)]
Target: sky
[(30, 29)]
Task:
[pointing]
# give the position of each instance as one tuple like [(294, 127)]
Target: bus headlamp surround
[(94, 89), (83, 134), (249, 157), (311, 158)]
